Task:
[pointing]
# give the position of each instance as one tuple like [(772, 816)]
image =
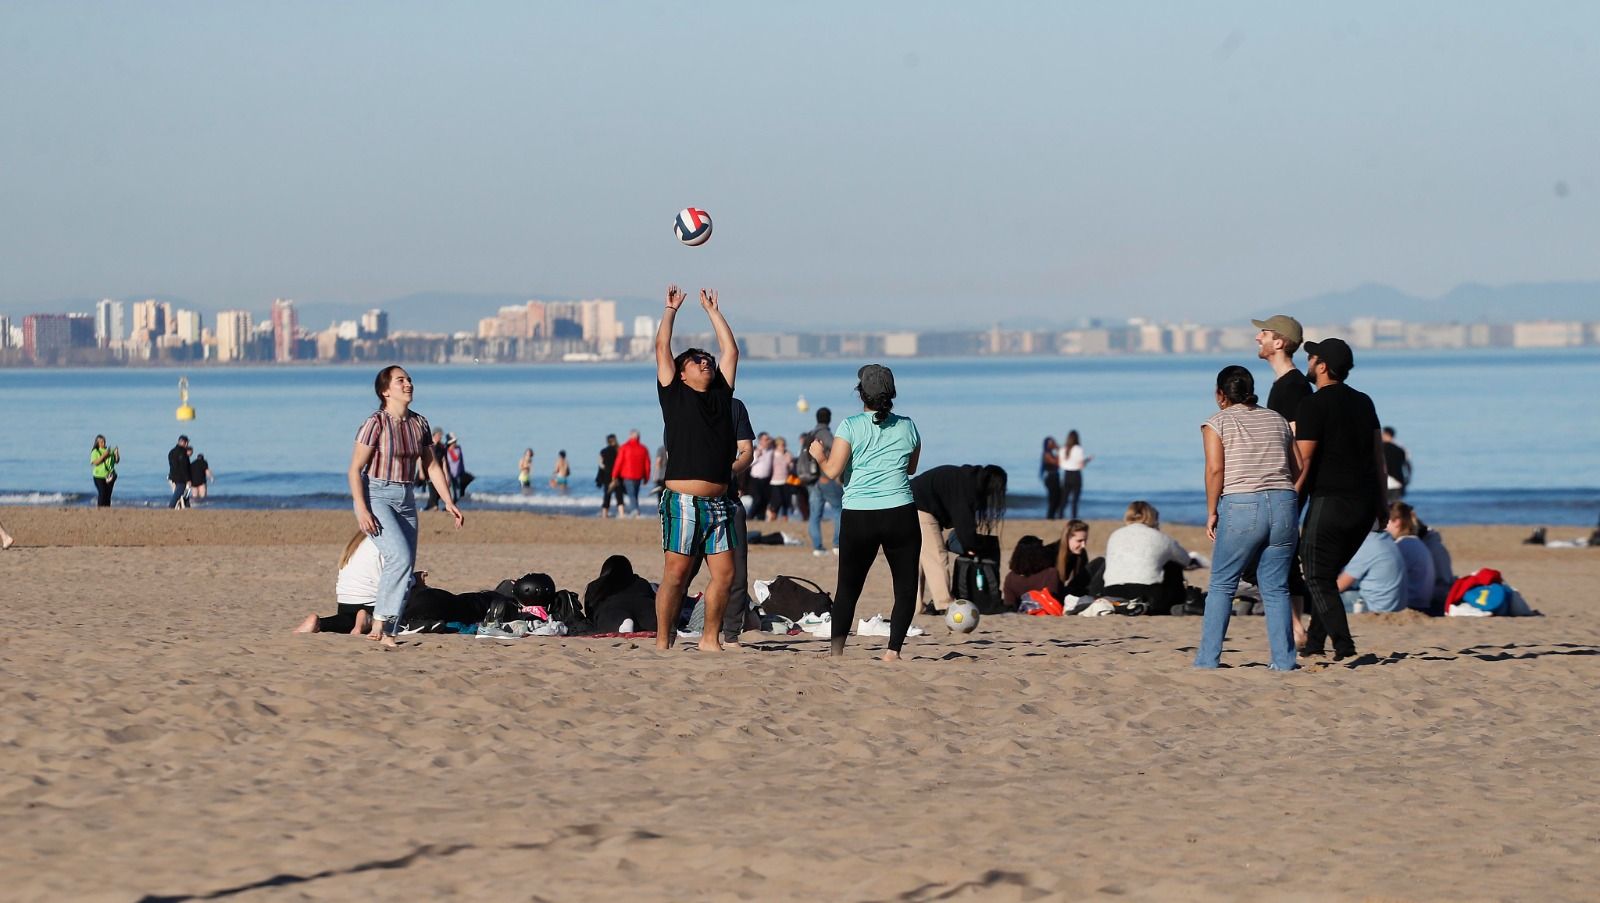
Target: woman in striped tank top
[(390, 446), (1251, 465)]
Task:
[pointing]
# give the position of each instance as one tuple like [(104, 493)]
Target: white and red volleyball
[(693, 226)]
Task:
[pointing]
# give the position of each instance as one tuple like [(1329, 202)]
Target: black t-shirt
[(1394, 458), (1287, 392), (1344, 424), (608, 464), (197, 471), (698, 430), (742, 432), (178, 464)]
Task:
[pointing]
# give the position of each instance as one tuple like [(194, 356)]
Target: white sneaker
[(879, 626), (835, 551), (626, 626), (819, 553)]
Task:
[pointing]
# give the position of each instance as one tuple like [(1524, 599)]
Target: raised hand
[(675, 297), (708, 298)]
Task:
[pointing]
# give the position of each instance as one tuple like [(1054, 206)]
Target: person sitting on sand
[(1404, 527), (1032, 567), (1079, 575), (356, 590), (1374, 580), (619, 599), (1144, 564), (1443, 568)]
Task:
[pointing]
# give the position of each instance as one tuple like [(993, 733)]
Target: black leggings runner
[(862, 533)]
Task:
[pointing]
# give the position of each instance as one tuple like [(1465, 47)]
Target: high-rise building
[(151, 316), (187, 325), (233, 335), (108, 322), (5, 332), (375, 324), (80, 330), (601, 328), (44, 336), (285, 330), (644, 326)]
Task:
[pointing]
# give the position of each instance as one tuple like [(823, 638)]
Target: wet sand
[(166, 737)]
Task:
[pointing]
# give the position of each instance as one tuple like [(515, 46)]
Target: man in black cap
[(178, 472), (1337, 432)]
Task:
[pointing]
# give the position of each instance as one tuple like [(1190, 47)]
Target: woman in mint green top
[(874, 454), (103, 459)]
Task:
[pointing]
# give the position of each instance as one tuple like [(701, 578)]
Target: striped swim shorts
[(695, 524)]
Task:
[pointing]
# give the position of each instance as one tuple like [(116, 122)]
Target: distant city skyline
[(887, 161)]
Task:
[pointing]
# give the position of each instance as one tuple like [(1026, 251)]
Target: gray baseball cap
[(876, 379)]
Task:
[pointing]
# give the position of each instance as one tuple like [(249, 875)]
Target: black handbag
[(796, 597)]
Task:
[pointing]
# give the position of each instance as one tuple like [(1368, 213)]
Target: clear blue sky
[(918, 162)]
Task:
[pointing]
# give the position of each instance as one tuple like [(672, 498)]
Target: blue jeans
[(395, 510), (631, 487), (178, 490), (1260, 527), (831, 492)]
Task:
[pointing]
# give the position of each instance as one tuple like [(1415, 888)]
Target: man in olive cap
[(1277, 339)]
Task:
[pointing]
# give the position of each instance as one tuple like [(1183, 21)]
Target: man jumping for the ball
[(696, 514)]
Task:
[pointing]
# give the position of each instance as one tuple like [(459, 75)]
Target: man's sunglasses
[(706, 359)]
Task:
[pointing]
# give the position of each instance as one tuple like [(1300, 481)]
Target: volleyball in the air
[(961, 616), (693, 226)]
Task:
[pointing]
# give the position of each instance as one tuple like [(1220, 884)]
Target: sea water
[(1494, 436)]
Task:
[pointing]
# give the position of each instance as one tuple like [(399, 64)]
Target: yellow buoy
[(802, 405), (185, 412)]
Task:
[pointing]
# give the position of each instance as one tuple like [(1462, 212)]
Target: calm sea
[(1494, 437)]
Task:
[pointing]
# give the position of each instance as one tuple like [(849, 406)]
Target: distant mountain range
[(443, 311), (1470, 303)]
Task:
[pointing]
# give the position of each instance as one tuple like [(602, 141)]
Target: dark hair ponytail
[(1237, 385), (880, 405)]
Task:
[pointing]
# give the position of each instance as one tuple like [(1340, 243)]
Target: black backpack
[(977, 580), (805, 466), (796, 597)]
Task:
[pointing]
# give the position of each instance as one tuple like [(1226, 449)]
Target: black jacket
[(949, 492)]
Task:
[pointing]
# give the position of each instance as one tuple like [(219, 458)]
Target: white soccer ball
[(961, 616), (693, 226)]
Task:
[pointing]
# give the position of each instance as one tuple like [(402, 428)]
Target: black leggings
[(1052, 494), (1071, 490), (344, 621), (102, 488), (862, 533)]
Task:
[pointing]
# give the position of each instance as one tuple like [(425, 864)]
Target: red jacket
[(633, 462)]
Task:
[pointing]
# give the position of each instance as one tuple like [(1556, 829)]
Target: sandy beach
[(165, 737)]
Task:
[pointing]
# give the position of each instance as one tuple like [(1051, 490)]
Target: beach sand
[(165, 737)]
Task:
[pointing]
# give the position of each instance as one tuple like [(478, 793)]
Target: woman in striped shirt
[(390, 445), (1251, 467)]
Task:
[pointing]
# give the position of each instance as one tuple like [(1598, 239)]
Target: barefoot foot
[(889, 655), (363, 623), (309, 625)]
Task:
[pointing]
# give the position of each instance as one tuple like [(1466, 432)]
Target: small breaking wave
[(40, 498)]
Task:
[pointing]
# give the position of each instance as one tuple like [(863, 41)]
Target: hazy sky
[(926, 162)]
